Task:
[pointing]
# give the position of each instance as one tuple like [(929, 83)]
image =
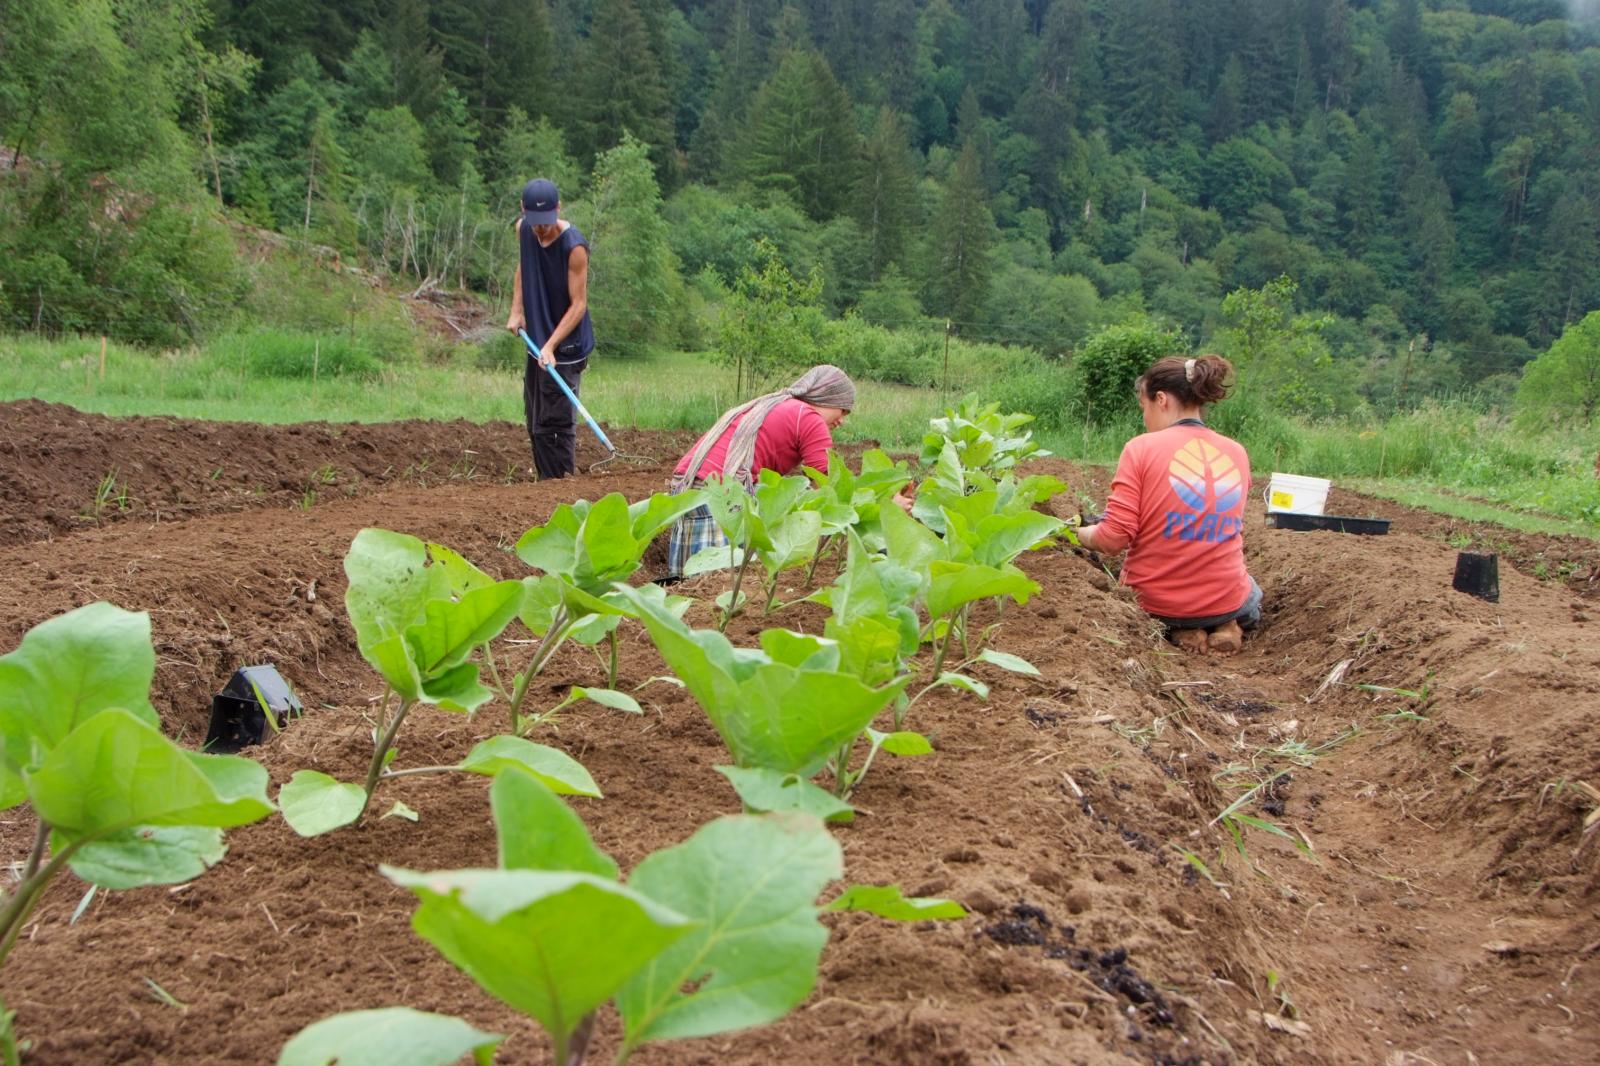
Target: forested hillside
[(1426, 172)]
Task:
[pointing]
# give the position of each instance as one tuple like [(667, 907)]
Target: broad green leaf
[(389, 1036), (538, 831), (552, 945), (911, 544), (1003, 537), (390, 582), (457, 689), (116, 771), (400, 810), (752, 882), (794, 541), (66, 670), (607, 539), (650, 517), (907, 743), (955, 584), (792, 720), (593, 629), (553, 547), (1006, 661), (542, 599), (450, 630), (962, 681), (147, 855), (461, 575), (763, 790), (314, 803), (886, 902), (555, 768), (607, 697), (709, 560), (800, 649), (391, 656)]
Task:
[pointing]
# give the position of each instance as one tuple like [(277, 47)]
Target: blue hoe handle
[(576, 403)]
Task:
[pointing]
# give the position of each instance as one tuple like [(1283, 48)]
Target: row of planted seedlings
[(716, 934)]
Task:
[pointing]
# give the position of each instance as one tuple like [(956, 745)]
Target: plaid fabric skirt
[(694, 532)]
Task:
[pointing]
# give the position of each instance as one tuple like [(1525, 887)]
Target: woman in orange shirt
[(1177, 507)]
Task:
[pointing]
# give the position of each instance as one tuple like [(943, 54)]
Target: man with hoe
[(550, 299)]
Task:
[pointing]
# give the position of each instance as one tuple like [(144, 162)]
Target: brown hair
[(1192, 382)]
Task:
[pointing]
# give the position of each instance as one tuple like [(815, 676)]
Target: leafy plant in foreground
[(418, 624), (114, 799), (783, 710), (715, 934), (765, 524), (583, 550)]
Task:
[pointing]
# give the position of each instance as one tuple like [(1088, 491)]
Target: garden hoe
[(584, 411)]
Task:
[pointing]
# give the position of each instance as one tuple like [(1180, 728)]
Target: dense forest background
[(1389, 197)]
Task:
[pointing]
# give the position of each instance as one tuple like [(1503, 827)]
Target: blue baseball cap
[(539, 200)]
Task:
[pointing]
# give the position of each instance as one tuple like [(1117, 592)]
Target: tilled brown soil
[(1449, 914)]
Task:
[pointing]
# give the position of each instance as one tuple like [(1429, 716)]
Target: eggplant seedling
[(418, 625), (113, 798), (715, 934)]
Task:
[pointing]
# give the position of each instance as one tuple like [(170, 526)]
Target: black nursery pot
[(239, 712)]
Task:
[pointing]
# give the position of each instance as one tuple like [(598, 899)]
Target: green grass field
[(1457, 462)]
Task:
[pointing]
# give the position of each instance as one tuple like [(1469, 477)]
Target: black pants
[(552, 422)]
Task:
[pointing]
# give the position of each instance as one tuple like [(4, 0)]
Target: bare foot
[(1227, 639), (1192, 641)]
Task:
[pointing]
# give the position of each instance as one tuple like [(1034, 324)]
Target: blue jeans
[(1247, 615)]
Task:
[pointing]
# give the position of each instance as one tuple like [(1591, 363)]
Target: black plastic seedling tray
[(1338, 523)]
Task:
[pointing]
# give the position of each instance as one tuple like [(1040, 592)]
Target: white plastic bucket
[(1296, 494)]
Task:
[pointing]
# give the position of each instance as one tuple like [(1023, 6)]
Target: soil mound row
[(1449, 907)]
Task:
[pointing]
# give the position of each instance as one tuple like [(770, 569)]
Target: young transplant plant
[(583, 550), (716, 934), (766, 524), (114, 799), (984, 438), (784, 709), (418, 625)]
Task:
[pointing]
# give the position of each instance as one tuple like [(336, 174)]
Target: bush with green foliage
[(1564, 383), (1110, 361)]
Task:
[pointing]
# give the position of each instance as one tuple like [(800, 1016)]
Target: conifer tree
[(800, 137), (617, 86), (958, 243), (885, 194)]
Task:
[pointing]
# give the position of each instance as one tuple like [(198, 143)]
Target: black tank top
[(544, 291)]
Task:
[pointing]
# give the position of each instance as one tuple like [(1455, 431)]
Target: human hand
[(904, 502), (547, 355), (516, 324)]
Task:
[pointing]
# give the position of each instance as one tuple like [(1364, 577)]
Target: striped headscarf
[(821, 386)]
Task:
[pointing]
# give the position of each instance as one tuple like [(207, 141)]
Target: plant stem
[(494, 673), (379, 752), (611, 669), (14, 915), (965, 650), (41, 837), (944, 649), (733, 597), (412, 771), (772, 594), (842, 779), (547, 645), (817, 558)]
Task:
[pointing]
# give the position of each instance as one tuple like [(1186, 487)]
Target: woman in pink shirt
[(780, 431), (1177, 507)]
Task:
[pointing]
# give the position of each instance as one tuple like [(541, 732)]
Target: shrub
[(1110, 361)]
